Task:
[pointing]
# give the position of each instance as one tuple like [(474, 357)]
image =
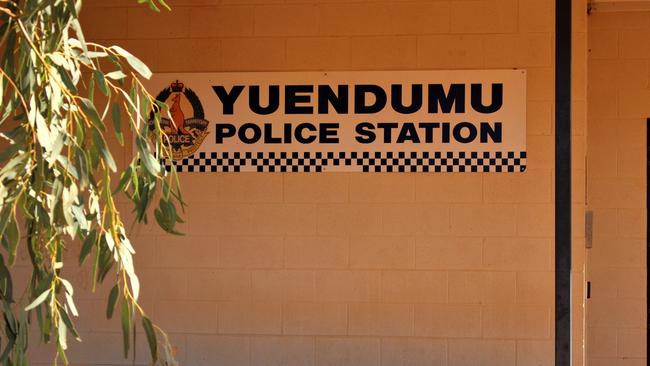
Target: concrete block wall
[(619, 92), (353, 269)]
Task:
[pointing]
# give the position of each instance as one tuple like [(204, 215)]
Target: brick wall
[(353, 269), (619, 96)]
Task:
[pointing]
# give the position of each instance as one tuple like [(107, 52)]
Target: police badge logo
[(185, 134)]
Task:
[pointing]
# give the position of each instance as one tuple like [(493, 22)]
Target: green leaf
[(68, 323), (38, 300), (6, 284), (150, 162), (89, 109), (101, 82), (135, 63), (112, 298), (12, 236), (117, 123), (87, 246), (126, 326), (151, 338), (124, 179), (100, 144)]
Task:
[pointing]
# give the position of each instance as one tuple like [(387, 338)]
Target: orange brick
[(314, 318), (535, 16), (289, 219), (250, 252), (142, 23), (483, 16), (224, 219), (186, 251), (517, 253), (197, 54), (489, 220), (205, 350), (449, 188), (601, 342), (539, 83), (244, 187), (482, 287), (289, 351), (619, 20), (632, 343), (283, 285), (316, 188), (516, 322), (399, 219), (389, 252), (534, 185), (447, 321), (163, 284), (471, 352), (633, 44), (104, 23), (616, 312), (316, 252), (287, 20), (432, 219), (518, 50), (347, 285), (225, 21), (352, 19), (535, 219), (337, 219), (448, 253), (631, 223), (320, 53), (535, 288), (347, 351), (382, 187), (382, 53), (535, 353), (250, 318), (603, 45), (187, 316), (246, 54), (228, 285), (450, 51), (413, 287), (413, 351), (381, 319)]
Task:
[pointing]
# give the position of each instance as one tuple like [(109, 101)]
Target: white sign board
[(375, 121)]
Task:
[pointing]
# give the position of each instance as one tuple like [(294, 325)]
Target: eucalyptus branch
[(56, 173)]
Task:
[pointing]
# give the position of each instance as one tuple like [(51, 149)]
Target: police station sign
[(384, 121)]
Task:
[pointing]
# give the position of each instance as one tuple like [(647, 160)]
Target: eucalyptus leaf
[(135, 62), (126, 327), (99, 78), (116, 75), (39, 300), (112, 298), (151, 337)]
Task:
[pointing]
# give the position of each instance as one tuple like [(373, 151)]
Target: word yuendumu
[(361, 98), (366, 102)]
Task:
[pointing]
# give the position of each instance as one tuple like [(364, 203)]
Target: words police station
[(406, 121)]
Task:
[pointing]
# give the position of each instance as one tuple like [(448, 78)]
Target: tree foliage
[(60, 98)]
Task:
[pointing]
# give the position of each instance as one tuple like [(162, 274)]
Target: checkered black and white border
[(445, 162)]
